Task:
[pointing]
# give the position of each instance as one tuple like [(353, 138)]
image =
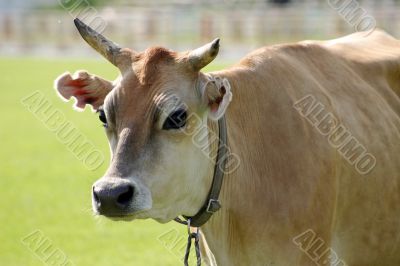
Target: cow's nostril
[(112, 197), (125, 198)]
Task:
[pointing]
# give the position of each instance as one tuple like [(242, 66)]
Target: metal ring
[(188, 225)]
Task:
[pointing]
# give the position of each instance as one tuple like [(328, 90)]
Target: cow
[(316, 125)]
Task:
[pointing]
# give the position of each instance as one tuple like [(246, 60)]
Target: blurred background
[(45, 216), (44, 28)]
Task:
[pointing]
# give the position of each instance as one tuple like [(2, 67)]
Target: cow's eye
[(175, 120), (102, 117)]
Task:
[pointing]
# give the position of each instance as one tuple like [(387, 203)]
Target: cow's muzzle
[(113, 197)]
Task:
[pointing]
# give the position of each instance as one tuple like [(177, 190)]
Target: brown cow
[(316, 127)]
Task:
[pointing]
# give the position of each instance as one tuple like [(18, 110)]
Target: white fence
[(183, 26)]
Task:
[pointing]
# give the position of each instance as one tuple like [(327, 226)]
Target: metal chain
[(196, 237)]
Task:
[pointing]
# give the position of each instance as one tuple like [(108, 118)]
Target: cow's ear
[(84, 87), (216, 94)]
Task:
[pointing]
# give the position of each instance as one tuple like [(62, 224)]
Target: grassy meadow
[(45, 189)]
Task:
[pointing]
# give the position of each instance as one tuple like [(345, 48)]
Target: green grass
[(44, 187)]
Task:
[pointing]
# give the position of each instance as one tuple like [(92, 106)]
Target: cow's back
[(368, 210), (292, 176)]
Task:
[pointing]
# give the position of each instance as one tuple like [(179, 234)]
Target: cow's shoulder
[(361, 47), (373, 57), (375, 47), (300, 55)]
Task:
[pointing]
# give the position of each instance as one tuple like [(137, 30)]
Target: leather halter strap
[(212, 204)]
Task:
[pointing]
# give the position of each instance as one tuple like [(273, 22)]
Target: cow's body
[(296, 199), (291, 179)]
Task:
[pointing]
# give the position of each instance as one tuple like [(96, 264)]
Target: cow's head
[(150, 114)]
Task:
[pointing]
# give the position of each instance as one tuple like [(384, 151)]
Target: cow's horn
[(107, 48), (202, 56)]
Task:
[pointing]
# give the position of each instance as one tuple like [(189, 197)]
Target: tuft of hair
[(150, 61)]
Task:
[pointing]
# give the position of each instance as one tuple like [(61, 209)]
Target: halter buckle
[(213, 206)]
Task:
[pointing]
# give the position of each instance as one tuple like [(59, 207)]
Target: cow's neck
[(216, 230), (222, 231)]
